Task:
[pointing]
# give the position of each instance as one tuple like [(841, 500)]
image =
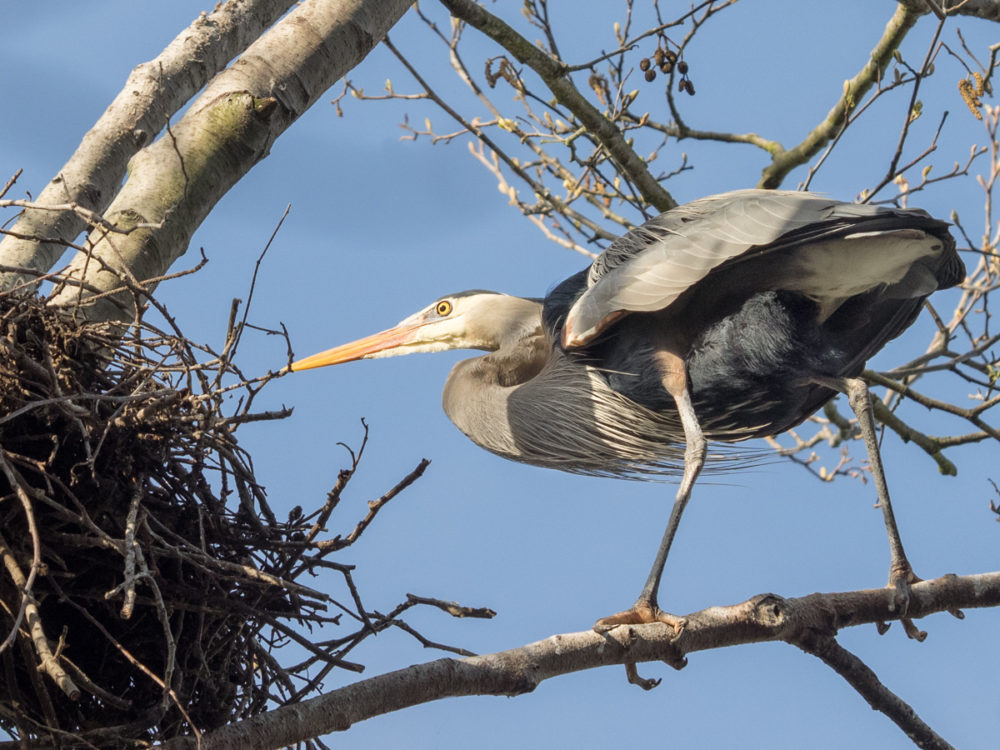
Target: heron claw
[(641, 613), (900, 579), (632, 674)]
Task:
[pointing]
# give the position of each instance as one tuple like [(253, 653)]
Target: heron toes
[(901, 578), (641, 613)]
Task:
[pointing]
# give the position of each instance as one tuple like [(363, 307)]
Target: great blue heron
[(732, 317)]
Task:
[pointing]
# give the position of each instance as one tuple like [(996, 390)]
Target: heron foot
[(641, 613), (901, 578)]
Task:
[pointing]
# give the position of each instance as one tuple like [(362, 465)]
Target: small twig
[(233, 343), (10, 183), (374, 507), (452, 608)]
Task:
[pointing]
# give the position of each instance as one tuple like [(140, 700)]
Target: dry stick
[(94, 689), (128, 656), (49, 663), (261, 654), (332, 500), (861, 677), (72, 398), (330, 545), (193, 555), (452, 608), (230, 348), (41, 691), (36, 276), (130, 553), (333, 496), (428, 643), (92, 218), (137, 288), (344, 646), (308, 645), (164, 618), (17, 483), (10, 183)]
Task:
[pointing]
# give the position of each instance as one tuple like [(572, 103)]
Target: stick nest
[(145, 583)]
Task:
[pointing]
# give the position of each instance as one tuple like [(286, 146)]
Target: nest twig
[(145, 584)]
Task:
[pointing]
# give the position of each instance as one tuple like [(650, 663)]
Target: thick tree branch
[(153, 92), (176, 182), (766, 617), (988, 10), (553, 74)]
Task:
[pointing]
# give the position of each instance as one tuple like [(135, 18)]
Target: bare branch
[(553, 73), (867, 683), (854, 89), (764, 618)]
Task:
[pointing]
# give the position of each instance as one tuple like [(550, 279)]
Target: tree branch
[(553, 74), (766, 617), (854, 89), (174, 183), (988, 10), (866, 682), (153, 92)]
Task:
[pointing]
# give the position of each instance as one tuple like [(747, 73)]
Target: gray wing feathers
[(652, 265)]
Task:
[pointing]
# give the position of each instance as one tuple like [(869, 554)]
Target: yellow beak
[(366, 347)]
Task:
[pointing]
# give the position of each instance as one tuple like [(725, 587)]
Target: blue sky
[(379, 227)]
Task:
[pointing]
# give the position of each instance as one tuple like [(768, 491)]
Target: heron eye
[(444, 308)]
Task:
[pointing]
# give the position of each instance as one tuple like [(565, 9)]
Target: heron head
[(475, 319)]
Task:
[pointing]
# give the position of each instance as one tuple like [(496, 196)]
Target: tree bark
[(153, 93), (175, 182)]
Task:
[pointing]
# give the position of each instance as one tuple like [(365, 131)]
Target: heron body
[(732, 317)]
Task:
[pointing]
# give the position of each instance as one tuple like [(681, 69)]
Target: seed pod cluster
[(665, 60)]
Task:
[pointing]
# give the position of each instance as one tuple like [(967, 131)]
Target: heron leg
[(901, 574), (646, 608)]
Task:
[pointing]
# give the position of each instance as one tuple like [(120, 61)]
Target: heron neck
[(477, 394)]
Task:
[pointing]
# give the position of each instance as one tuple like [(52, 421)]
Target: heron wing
[(651, 266)]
